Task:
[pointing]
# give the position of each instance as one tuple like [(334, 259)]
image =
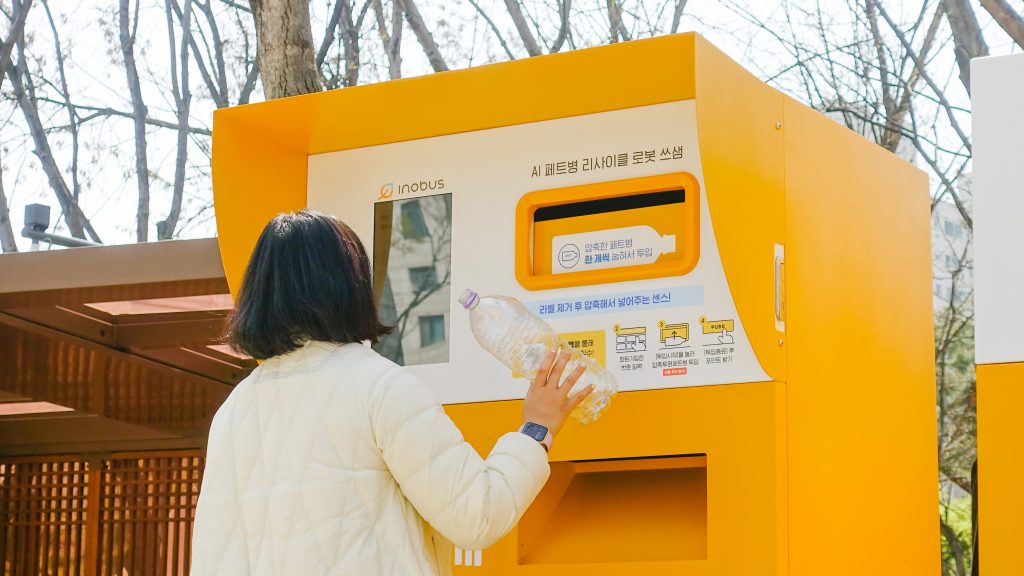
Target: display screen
[(412, 277)]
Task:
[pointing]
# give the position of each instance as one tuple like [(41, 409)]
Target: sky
[(96, 77)]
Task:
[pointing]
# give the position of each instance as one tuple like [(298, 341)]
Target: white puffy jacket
[(333, 460)]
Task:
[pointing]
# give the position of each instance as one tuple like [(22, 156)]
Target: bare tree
[(423, 35), (287, 59), (128, 27), (391, 40), (7, 241), (1008, 19), (529, 42), (968, 41), (617, 28), (20, 14), (182, 101), (24, 94)]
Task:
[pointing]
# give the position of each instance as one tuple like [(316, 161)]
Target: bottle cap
[(468, 299)]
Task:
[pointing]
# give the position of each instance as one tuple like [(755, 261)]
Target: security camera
[(37, 217), (37, 220)]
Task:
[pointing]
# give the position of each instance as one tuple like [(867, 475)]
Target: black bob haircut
[(308, 279)]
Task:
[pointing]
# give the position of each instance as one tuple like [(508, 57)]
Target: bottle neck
[(469, 299)]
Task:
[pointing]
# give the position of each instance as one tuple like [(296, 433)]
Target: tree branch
[(494, 28), (529, 42), (564, 7), (927, 78), (7, 240), (1008, 19), (182, 98), (968, 40), (139, 114), (17, 27), (392, 41), (677, 15), (426, 40), (77, 222)]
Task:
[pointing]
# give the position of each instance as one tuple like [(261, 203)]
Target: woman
[(328, 458)]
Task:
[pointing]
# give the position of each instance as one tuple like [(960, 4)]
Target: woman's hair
[(308, 279)]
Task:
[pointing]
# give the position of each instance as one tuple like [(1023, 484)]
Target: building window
[(431, 330), (953, 230), (414, 226), (423, 278), (952, 262)]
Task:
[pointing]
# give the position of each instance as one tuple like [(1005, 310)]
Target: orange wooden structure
[(109, 374)]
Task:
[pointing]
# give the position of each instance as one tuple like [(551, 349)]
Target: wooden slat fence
[(123, 514)]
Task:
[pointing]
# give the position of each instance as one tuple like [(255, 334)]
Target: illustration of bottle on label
[(611, 248)]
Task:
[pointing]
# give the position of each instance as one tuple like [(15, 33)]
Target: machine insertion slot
[(606, 205), (616, 231), (647, 509)]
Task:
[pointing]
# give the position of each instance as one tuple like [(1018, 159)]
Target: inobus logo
[(388, 190)]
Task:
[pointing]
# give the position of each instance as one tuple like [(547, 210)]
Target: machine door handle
[(780, 288)]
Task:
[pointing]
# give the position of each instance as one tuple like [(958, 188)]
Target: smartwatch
[(539, 433)]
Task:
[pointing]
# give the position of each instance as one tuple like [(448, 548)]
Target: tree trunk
[(1008, 19), (968, 41), (284, 47), (7, 241), (564, 10), (616, 28), (12, 37), (350, 40), (956, 547), (974, 519), (516, 12), (24, 93), (127, 36), (76, 187), (182, 99), (677, 15), (392, 41), (426, 40)]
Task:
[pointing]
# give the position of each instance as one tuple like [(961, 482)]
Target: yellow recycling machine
[(755, 275), (997, 90)]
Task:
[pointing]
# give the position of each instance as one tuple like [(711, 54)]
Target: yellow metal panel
[(741, 155), (738, 427), (1001, 468), (861, 381), (254, 179), (257, 146)]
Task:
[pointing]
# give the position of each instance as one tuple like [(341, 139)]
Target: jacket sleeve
[(473, 502)]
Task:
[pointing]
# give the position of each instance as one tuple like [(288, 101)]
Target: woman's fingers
[(580, 396), (556, 372), (545, 366), (571, 379)]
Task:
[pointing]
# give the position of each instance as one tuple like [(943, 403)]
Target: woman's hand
[(548, 403)]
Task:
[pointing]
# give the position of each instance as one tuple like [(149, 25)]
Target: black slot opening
[(604, 205)]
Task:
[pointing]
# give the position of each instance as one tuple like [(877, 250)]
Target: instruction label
[(588, 305), (612, 248), (590, 343)]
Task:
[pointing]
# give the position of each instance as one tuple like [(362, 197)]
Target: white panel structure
[(479, 177), (997, 96)]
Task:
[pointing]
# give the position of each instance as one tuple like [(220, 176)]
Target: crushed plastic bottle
[(519, 339)]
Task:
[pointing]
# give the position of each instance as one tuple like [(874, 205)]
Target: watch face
[(535, 431)]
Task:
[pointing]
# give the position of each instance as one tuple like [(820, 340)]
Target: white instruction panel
[(998, 188), (440, 215)]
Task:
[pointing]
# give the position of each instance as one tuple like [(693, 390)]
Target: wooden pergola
[(111, 369)]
